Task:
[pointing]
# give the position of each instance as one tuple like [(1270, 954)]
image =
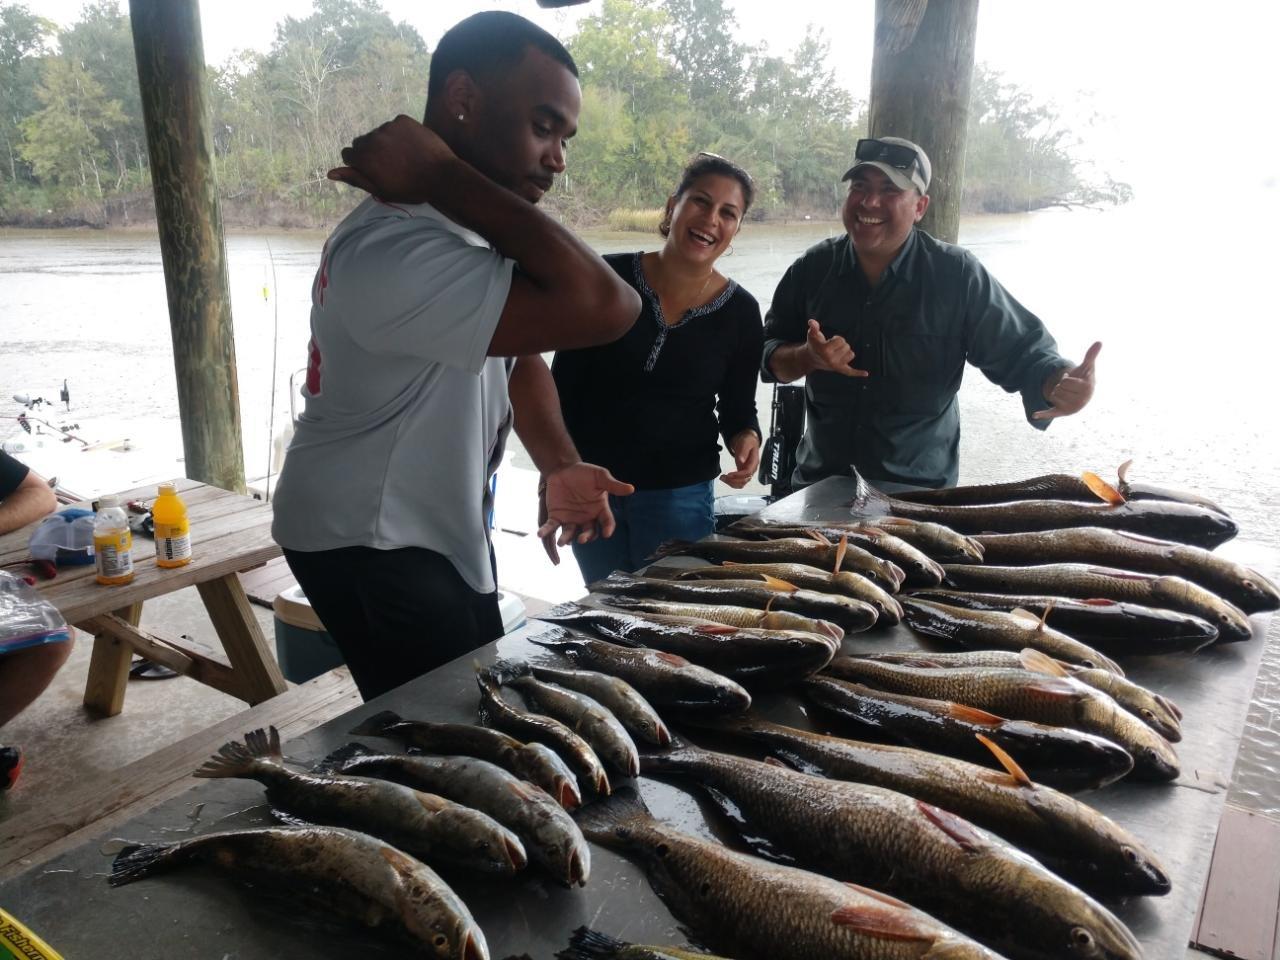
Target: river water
[(1186, 377)]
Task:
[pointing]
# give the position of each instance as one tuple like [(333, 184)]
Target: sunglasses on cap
[(894, 154)]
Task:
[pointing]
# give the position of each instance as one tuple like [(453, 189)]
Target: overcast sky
[(1162, 77)]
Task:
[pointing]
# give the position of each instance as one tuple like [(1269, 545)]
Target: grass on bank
[(638, 221)]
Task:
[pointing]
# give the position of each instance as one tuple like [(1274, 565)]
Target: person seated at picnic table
[(25, 497), (649, 406)]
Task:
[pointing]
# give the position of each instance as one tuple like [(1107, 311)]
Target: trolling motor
[(786, 426)]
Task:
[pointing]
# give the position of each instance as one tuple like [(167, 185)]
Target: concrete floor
[(66, 746)]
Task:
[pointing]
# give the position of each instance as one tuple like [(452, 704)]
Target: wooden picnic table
[(230, 533)]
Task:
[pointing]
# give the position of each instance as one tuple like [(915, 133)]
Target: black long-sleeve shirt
[(935, 308), (649, 406)]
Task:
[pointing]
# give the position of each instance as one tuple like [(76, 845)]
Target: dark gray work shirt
[(934, 308)]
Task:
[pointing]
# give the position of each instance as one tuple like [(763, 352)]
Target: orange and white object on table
[(172, 530), (112, 543)]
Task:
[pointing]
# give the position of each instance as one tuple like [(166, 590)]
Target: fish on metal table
[(906, 847), (1234, 582), (1156, 711), (888, 609), (1071, 838), (528, 761), (919, 568), (664, 679), (1087, 581), (582, 714), (344, 872), (752, 909), (425, 824), (539, 728), (806, 550), (1115, 627), (588, 944), (1062, 757), (748, 655), (1054, 486), (1167, 520), (632, 710), (1022, 695), (751, 618), (851, 615), (932, 539), (996, 629), (549, 834)]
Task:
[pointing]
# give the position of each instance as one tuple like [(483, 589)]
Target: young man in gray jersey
[(431, 307)]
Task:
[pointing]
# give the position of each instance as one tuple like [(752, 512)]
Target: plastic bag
[(26, 618)]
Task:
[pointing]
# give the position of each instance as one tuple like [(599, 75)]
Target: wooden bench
[(1240, 907)]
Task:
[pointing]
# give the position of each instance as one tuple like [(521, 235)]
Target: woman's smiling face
[(706, 217)]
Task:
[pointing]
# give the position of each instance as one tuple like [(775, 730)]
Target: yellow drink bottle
[(173, 532), (112, 543)]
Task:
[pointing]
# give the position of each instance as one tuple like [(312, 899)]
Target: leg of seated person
[(26, 673)]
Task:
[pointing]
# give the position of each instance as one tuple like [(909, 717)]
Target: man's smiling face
[(879, 215)]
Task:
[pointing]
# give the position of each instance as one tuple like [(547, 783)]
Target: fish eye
[(1130, 854), (1147, 714), (1081, 939), (662, 850), (440, 941)]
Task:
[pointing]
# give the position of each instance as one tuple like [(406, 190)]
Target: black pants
[(395, 614)]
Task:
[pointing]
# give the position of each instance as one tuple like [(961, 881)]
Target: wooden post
[(921, 74), (171, 77)]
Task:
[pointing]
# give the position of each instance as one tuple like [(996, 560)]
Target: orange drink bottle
[(173, 532)]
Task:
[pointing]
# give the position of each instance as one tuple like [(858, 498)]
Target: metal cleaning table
[(185, 916)]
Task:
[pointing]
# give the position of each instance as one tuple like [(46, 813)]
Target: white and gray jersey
[(406, 416)]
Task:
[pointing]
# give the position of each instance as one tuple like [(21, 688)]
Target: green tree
[(24, 38), (63, 140), (101, 43)]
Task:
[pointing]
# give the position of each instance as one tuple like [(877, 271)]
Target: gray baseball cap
[(903, 162)]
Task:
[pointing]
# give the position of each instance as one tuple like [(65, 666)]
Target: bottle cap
[(105, 503), (168, 489)]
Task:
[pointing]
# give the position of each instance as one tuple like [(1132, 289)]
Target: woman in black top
[(651, 405)]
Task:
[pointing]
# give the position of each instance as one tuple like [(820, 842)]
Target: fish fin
[(1054, 688), (715, 629), (768, 604), (775, 762), (567, 611), (236, 759), (1022, 613), (1102, 490), (524, 790), (673, 659), (773, 583), (962, 711), (1010, 765), (883, 921), (555, 638), (505, 671), (1037, 661), (618, 581), (879, 895), (841, 549), (607, 820), (673, 548), (1100, 602), (335, 761), (588, 944), (138, 860), (957, 828), (401, 863), (819, 536), (290, 819), (377, 725), (1122, 472), (1121, 574)]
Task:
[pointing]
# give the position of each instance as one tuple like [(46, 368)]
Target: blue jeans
[(646, 519)]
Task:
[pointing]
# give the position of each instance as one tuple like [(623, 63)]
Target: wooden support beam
[(109, 667), (171, 78), (258, 676), (173, 654), (921, 75)]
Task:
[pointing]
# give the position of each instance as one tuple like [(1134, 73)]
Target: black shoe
[(10, 766)]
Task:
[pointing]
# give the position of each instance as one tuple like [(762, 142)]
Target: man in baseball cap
[(911, 310)]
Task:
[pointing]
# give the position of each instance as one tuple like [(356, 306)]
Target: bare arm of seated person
[(31, 501), (562, 297)]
